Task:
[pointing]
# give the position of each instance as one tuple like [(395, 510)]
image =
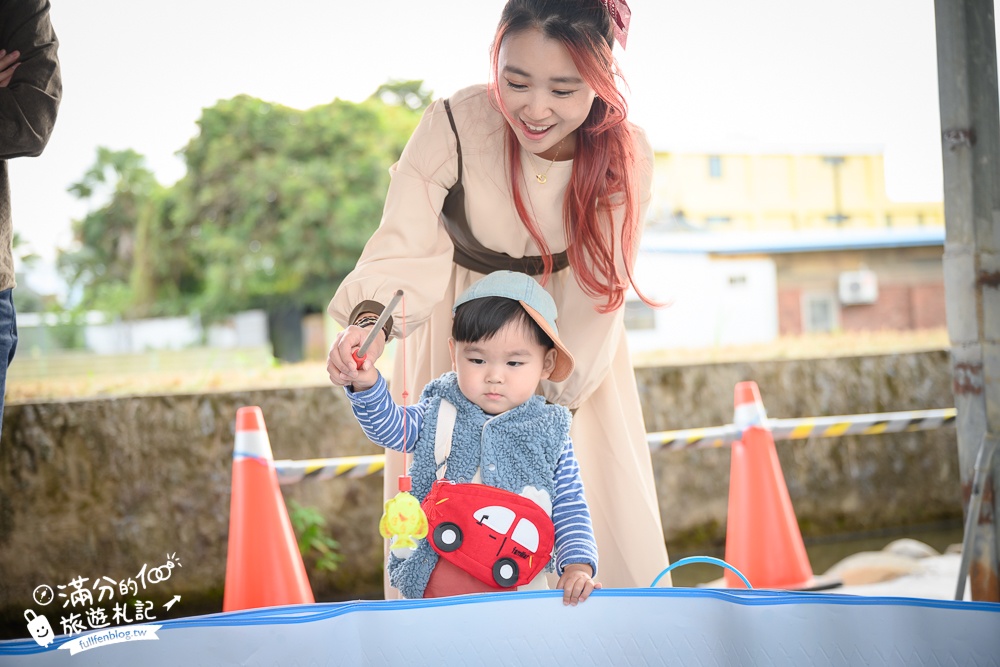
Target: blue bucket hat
[(536, 302)]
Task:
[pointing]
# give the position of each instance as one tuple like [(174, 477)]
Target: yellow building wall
[(781, 192)]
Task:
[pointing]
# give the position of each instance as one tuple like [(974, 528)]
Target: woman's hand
[(576, 583), (8, 63), (340, 364)]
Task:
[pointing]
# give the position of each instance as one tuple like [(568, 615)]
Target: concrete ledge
[(94, 488)]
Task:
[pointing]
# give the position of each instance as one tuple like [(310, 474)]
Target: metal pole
[(970, 124), (983, 459)]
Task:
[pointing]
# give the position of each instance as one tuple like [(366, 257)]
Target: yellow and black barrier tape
[(808, 427), (292, 472), (886, 422), (693, 438)]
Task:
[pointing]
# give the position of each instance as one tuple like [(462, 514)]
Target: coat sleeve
[(411, 248), (593, 338), (29, 103)]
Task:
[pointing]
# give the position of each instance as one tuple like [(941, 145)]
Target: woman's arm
[(410, 250)]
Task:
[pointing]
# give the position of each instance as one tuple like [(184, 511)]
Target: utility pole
[(970, 146), (838, 217)]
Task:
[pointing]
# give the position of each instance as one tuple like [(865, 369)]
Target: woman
[(538, 172)]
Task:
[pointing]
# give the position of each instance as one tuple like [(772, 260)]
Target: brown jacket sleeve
[(28, 105)]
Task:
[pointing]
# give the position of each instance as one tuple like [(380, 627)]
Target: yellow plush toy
[(403, 520)]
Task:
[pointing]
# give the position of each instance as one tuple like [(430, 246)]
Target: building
[(749, 247), (847, 280), (772, 192)]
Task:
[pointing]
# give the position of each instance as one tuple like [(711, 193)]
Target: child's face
[(503, 372)]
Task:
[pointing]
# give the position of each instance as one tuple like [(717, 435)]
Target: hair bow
[(620, 17)]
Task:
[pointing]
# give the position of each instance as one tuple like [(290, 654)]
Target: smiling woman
[(539, 172), (546, 106)]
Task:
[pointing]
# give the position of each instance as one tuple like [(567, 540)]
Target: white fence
[(243, 330)]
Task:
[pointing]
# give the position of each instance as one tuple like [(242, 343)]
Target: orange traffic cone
[(763, 540), (263, 567)]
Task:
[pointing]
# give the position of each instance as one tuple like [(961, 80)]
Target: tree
[(273, 211), (411, 94), (102, 264), (281, 202), (167, 277)]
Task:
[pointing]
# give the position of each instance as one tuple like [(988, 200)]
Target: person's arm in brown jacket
[(30, 100)]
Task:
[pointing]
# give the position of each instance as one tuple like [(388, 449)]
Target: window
[(496, 517), (715, 166), (819, 313), (639, 316), (526, 535), (718, 220)]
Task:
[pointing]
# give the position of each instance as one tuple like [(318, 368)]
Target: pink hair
[(602, 169)]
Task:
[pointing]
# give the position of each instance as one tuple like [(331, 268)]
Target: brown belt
[(469, 252)]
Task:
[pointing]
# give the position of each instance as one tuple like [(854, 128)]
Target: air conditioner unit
[(858, 287)]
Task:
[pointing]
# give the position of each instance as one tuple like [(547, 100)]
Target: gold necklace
[(543, 177)]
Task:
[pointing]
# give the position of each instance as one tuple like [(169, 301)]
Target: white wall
[(712, 302), (125, 336), (246, 329)]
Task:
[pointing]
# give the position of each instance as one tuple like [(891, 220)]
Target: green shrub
[(314, 541)]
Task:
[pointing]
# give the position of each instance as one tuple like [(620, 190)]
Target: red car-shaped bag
[(502, 539)]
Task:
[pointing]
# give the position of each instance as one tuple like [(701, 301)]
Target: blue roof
[(775, 242)]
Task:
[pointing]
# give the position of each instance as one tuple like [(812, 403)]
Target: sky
[(703, 75)]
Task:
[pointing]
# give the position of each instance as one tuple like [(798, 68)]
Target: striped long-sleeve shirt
[(382, 421)]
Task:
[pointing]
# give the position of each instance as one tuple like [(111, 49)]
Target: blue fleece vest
[(513, 450)]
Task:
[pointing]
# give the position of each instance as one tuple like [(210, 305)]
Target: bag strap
[(469, 252), (442, 436), (458, 141), (447, 414)]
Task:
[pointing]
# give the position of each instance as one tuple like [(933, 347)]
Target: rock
[(870, 567), (910, 548)]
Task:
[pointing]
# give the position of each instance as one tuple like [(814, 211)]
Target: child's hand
[(366, 378), (340, 364), (576, 583)]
